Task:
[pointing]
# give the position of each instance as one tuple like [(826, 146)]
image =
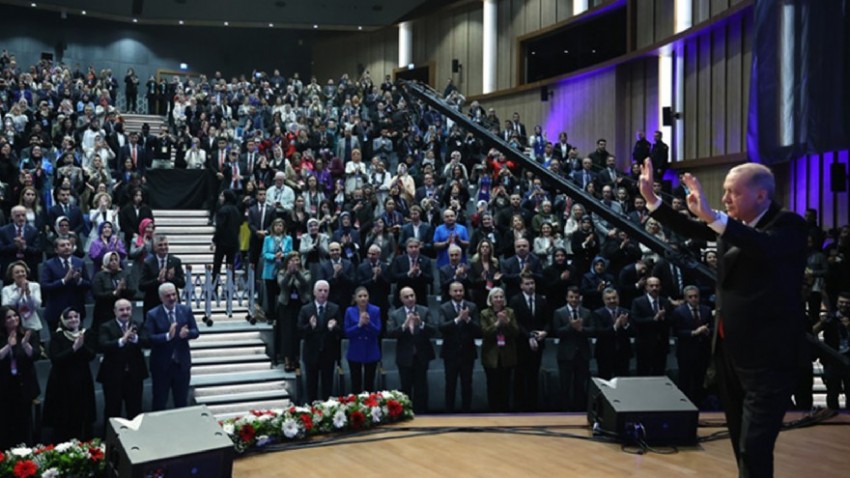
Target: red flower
[(292, 409), (357, 419), (25, 469), (307, 420), (394, 408), (371, 402), (96, 454), (247, 432), (2, 457)]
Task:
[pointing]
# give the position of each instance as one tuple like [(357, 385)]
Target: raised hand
[(645, 182), (697, 202)]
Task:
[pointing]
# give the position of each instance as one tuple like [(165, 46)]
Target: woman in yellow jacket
[(498, 349)]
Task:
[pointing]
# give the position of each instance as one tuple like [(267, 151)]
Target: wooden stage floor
[(820, 451)]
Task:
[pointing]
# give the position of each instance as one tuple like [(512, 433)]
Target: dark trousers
[(459, 369), (287, 331), (527, 381), (130, 100), (498, 388), (218, 256), (15, 422), (755, 401), (174, 379), (272, 293), (836, 382), (322, 369), (574, 375), (414, 383), (362, 376), (692, 376), (120, 394), (651, 360)]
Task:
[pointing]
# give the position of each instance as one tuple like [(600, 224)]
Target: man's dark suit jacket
[(651, 335), (342, 286), (573, 344), (398, 273), (9, 251), (426, 236), (528, 322), (320, 342), (156, 328), (129, 220), (120, 363), (511, 272), (759, 279), (124, 153), (459, 339), (59, 295), (610, 343), (689, 347), (379, 289), (149, 282), (447, 276), (407, 342), (74, 215)]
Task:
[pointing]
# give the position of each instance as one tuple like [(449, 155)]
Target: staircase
[(232, 372), (133, 123)]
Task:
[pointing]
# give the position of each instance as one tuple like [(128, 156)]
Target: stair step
[(219, 379), (184, 213), (238, 409), (189, 239), (231, 359), (231, 368), (243, 397), (228, 353), (212, 336), (183, 249), (222, 343), (185, 229), (179, 221), (277, 386)]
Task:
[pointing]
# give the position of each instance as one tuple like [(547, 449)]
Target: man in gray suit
[(412, 326), (572, 325), (460, 328)]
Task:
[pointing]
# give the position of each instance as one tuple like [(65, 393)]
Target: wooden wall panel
[(704, 132), (691, 95), (701, 11), (665, 22), (644, 24), (563, 9), (718, 92), (735, 90), (718, 6)]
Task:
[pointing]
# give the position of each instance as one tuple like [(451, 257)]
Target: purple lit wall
[(810, 187)]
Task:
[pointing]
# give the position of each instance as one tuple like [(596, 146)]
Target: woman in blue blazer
[(275, 247), (362, 327)]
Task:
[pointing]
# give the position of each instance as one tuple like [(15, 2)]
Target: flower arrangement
[(353, 412), (73, 458)]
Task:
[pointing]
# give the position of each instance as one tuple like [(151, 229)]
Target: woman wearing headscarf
[(62, 229), (348, 237), (69, 406), (594, 282), (106, 241), (19, 349), (109, 284), (141, 247)]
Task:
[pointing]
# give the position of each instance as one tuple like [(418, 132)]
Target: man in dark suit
[(455, 270), (585, 175), (20, 242), (339, 273), (760, 337), (660, 155), (168, 329), (158, 269), (319, 323), (260, 219), (233, 174), (573, 326), (532, 316), (522, 262), (691, 324), (413, 270), (651, 316), (612, 329), (373, 274), (419, 229), (632, 282), (65, 282), (412, 326), (135, 152), (63, 207), (132, 214), (460, 327), (123, 370)]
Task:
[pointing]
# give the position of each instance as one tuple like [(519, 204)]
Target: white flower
[(21, 452), (63, 447), (264, 418), (376, 415), (50, 473), (340, 419), (303, 410), (290, 428), (263, 440), (228, 428)]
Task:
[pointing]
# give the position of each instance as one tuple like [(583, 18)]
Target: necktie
[(262, 215), (65, 209), (322, 312), (235, 184), (20, 231), (585, 180), (521, 264), (457, 307), (695, 313), (575, 314), (654, 304), (531, 305), (123, 327), (221, 155), (171, 318), (65, 264)]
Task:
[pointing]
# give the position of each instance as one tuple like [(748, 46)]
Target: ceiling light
[(227, 24), (271, 25), (83, 12), (135, 20), (315, 26), (33, 4), (360, 28)]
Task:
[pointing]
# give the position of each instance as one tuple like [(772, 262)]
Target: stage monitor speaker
[(838, 178), (185, 442), (651, 409), (667, 116)]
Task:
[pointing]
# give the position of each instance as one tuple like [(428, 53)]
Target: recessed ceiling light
[(135, 20), (180, 22), (271, 25), (315, 26), (33, 4), (359, 28), (534, 53), (227, 24), (83, 12)]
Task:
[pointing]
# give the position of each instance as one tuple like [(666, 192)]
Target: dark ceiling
[(323, 14)]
